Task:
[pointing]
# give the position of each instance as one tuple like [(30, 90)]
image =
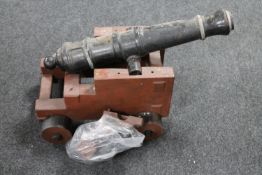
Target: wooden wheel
[(152, 127), (56, 129)]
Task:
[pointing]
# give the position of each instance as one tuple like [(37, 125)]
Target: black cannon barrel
[(137, 42)]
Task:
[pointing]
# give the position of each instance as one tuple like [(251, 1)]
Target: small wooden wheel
[(56, 129), (152, 127)]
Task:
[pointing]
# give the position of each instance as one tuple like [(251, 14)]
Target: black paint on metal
[(137, 42)]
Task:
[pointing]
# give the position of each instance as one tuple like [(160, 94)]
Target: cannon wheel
[(152, 127), (56, 129)]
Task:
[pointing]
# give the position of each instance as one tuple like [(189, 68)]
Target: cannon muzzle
[(137, 42)]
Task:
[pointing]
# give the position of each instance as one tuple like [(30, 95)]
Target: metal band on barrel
[(89, 60), (201, 27), (91, 65), (228, 14)]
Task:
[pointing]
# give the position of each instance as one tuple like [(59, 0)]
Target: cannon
[(137, 42), (120, 69)]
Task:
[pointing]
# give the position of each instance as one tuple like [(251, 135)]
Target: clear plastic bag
[(103, 139)]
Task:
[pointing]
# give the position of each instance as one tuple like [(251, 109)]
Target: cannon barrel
[(136, 42)]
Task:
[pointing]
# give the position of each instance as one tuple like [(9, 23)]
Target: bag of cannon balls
[(103, 139)]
